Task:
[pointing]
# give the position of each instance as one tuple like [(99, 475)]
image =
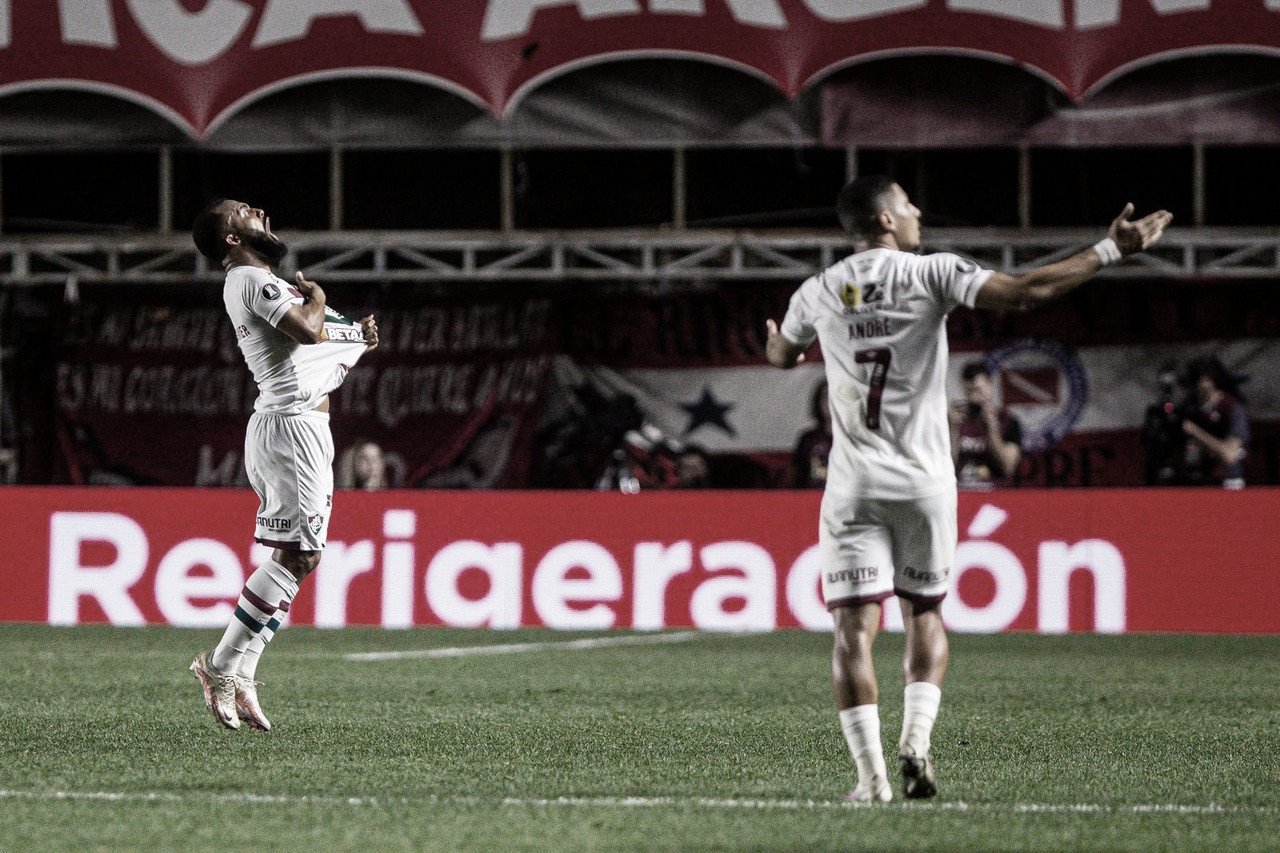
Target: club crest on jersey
[(315, 522), (270, 292)]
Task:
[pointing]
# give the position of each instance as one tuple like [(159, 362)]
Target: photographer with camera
[(1201, 440), (986, 442), (1216, 427)]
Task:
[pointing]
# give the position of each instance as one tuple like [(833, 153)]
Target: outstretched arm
[(1047, 283), (779, 351)]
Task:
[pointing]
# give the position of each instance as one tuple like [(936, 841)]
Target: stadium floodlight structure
[(617, 256)]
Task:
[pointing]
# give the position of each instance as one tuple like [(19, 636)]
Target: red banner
[(197, 62), (1105, 561)]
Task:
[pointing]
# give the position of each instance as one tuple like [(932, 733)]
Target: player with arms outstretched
[(888, 518), (299, 350)]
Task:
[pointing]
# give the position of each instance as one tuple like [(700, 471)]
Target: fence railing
[(638, 256)]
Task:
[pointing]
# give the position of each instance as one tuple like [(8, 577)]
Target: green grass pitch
[(714, 742)]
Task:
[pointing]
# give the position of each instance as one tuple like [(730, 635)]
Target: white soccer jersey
[(292, 378), (880, 316)]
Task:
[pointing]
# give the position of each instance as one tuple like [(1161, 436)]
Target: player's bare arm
[(305, 323), (1047, 283), (779, 351)]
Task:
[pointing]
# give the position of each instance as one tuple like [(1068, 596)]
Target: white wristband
[(1108, 252)]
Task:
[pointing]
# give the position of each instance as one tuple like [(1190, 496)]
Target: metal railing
[(600, 256)]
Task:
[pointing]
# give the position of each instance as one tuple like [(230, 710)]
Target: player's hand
[(311, 291), (774, 335), (1135, 235), (370, 327)]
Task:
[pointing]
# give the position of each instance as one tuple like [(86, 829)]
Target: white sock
[(861, 727), (919, 709), (268, 590), (249, 663)]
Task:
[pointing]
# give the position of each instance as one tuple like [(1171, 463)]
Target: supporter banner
[(153, 390), (198, 63), (150, 390), (1054, 391), (1080, 375), (1107, 561)]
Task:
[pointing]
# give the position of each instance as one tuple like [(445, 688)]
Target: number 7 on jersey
[(880, 357)]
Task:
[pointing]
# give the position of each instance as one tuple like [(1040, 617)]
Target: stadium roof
[(279, 75)]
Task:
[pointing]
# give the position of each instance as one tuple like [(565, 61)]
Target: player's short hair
[(860, 203), (975, 368), (209, 232)]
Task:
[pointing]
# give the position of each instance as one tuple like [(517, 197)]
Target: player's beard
[(269, 246)]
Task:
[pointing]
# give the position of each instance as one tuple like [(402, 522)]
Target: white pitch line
[(520, 648), (1211, 809)]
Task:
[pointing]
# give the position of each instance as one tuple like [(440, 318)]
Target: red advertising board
[(199, 62), (1082, 560)]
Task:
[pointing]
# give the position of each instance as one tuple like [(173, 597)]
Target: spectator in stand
[(693, 468), (986, 442), (1216, 426), (363, 467), (809, 462)]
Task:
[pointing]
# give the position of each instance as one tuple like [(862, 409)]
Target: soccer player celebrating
[(888, 518), (298, 350)]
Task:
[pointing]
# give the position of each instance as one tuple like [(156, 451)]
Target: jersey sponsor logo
[(928, 577), (1043, 382), (344, 334), (242, 331), (270, 292), (276, 525), (861, 574)]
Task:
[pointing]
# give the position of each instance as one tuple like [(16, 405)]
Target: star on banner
[(708, 410)]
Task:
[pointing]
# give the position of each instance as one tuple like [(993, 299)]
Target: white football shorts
[(289, 459), (872, 549)]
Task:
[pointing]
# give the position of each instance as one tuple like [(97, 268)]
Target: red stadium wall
[(1049, 561)]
